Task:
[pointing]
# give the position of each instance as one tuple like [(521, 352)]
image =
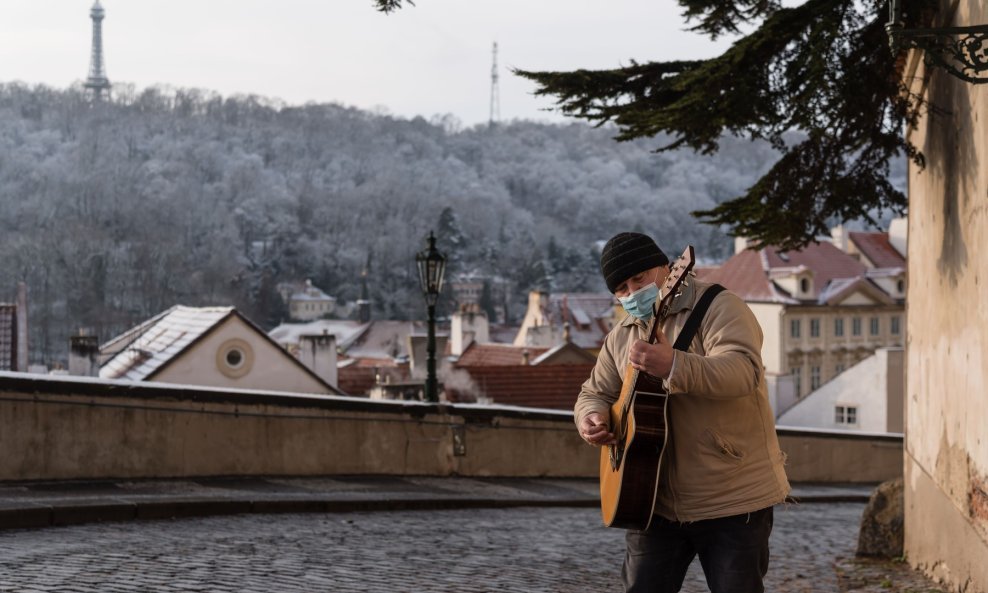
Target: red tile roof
[(745, 275), (497, 355), (748, 274), (356, 376), (356, 380), (877, 249), (826, 261), (551, 386)]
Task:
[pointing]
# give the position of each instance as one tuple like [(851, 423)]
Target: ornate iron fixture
[(432, 269), (961, 51)]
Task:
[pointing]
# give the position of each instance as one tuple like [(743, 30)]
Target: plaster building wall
[(946, 452), (769, 316), (262, 366), (863, 326), (870, 388)]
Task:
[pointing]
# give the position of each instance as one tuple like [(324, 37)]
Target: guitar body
[(629, 469)]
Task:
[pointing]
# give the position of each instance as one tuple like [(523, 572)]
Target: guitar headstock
[(678, 272)]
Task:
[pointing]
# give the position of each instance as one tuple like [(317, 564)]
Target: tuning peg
[(692, 273)]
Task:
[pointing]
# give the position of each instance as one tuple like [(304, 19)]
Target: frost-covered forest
[(114, 212)]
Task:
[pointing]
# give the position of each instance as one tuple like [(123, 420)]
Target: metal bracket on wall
[(961, 51), (459, 440)]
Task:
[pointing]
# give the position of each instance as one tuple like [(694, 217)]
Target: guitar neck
[(670, 289)]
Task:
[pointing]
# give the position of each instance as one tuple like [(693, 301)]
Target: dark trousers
[(733, 552)]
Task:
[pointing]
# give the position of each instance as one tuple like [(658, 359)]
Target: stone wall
[(74, 428)]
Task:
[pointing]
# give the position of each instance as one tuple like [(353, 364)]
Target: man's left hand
[(654, 359)]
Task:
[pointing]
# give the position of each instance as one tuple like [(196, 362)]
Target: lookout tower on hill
[(97, 83)]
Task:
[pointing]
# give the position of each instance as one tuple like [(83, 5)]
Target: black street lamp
[(432, 267)]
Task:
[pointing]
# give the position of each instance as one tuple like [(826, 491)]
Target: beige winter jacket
[(722, 455)]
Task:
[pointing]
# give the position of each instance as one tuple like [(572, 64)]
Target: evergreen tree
[(450, 241)]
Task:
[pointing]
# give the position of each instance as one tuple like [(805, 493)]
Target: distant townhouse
[(13, 333), (8, 337), (823, 308), (581, 318), (867, 397), (305, 301), (477, 292), (217, 347)]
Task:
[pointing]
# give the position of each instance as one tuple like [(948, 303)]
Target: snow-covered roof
[(374, 339), (138, 353), (312, 295), (346, 331)]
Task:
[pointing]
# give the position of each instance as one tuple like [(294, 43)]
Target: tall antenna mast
[(495, 92), (97, 83)]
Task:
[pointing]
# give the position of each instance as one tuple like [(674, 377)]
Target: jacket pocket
[(719, 450)]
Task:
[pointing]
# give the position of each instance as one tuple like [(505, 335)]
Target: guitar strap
[(692, 324)]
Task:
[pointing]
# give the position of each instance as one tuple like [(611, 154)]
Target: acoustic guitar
[(629, 469)]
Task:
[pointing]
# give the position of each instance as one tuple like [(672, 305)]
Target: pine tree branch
[(389, 6), (718, 17), (821, 70)]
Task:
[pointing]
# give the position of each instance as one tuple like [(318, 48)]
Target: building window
[(814, 328), (814, 378), (794, 328), (804, 285), (901, 286), (234, 358), (894, 325), (797, 376), (839, 368), (873, 323), (846, 415), (839, 327), (856, 326)]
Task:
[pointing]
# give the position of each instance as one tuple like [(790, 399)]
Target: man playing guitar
[(721, 470)]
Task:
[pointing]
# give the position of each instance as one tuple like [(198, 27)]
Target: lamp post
[(432, 267)]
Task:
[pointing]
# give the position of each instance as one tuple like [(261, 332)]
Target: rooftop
[(139, 352)]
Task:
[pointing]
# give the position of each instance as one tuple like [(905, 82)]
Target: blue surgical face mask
[(641, 302)]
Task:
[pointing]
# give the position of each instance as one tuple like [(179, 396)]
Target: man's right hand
[(594, 430)]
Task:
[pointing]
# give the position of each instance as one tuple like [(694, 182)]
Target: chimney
[(22, 327), (898, 233), (740, 244), (838, 236), (467, 326), (418, 353), (84, 355), (318, 353), (526, 356)]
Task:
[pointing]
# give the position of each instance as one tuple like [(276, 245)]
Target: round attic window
[(235, 358)]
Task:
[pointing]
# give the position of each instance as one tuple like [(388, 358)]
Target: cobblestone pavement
[(522, 549)]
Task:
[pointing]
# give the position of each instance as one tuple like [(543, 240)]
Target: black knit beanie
[(627, 254)]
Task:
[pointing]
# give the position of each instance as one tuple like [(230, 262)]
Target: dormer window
[(804, 285), (900, 286)]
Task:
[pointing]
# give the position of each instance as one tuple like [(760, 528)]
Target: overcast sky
[(432, 58)]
